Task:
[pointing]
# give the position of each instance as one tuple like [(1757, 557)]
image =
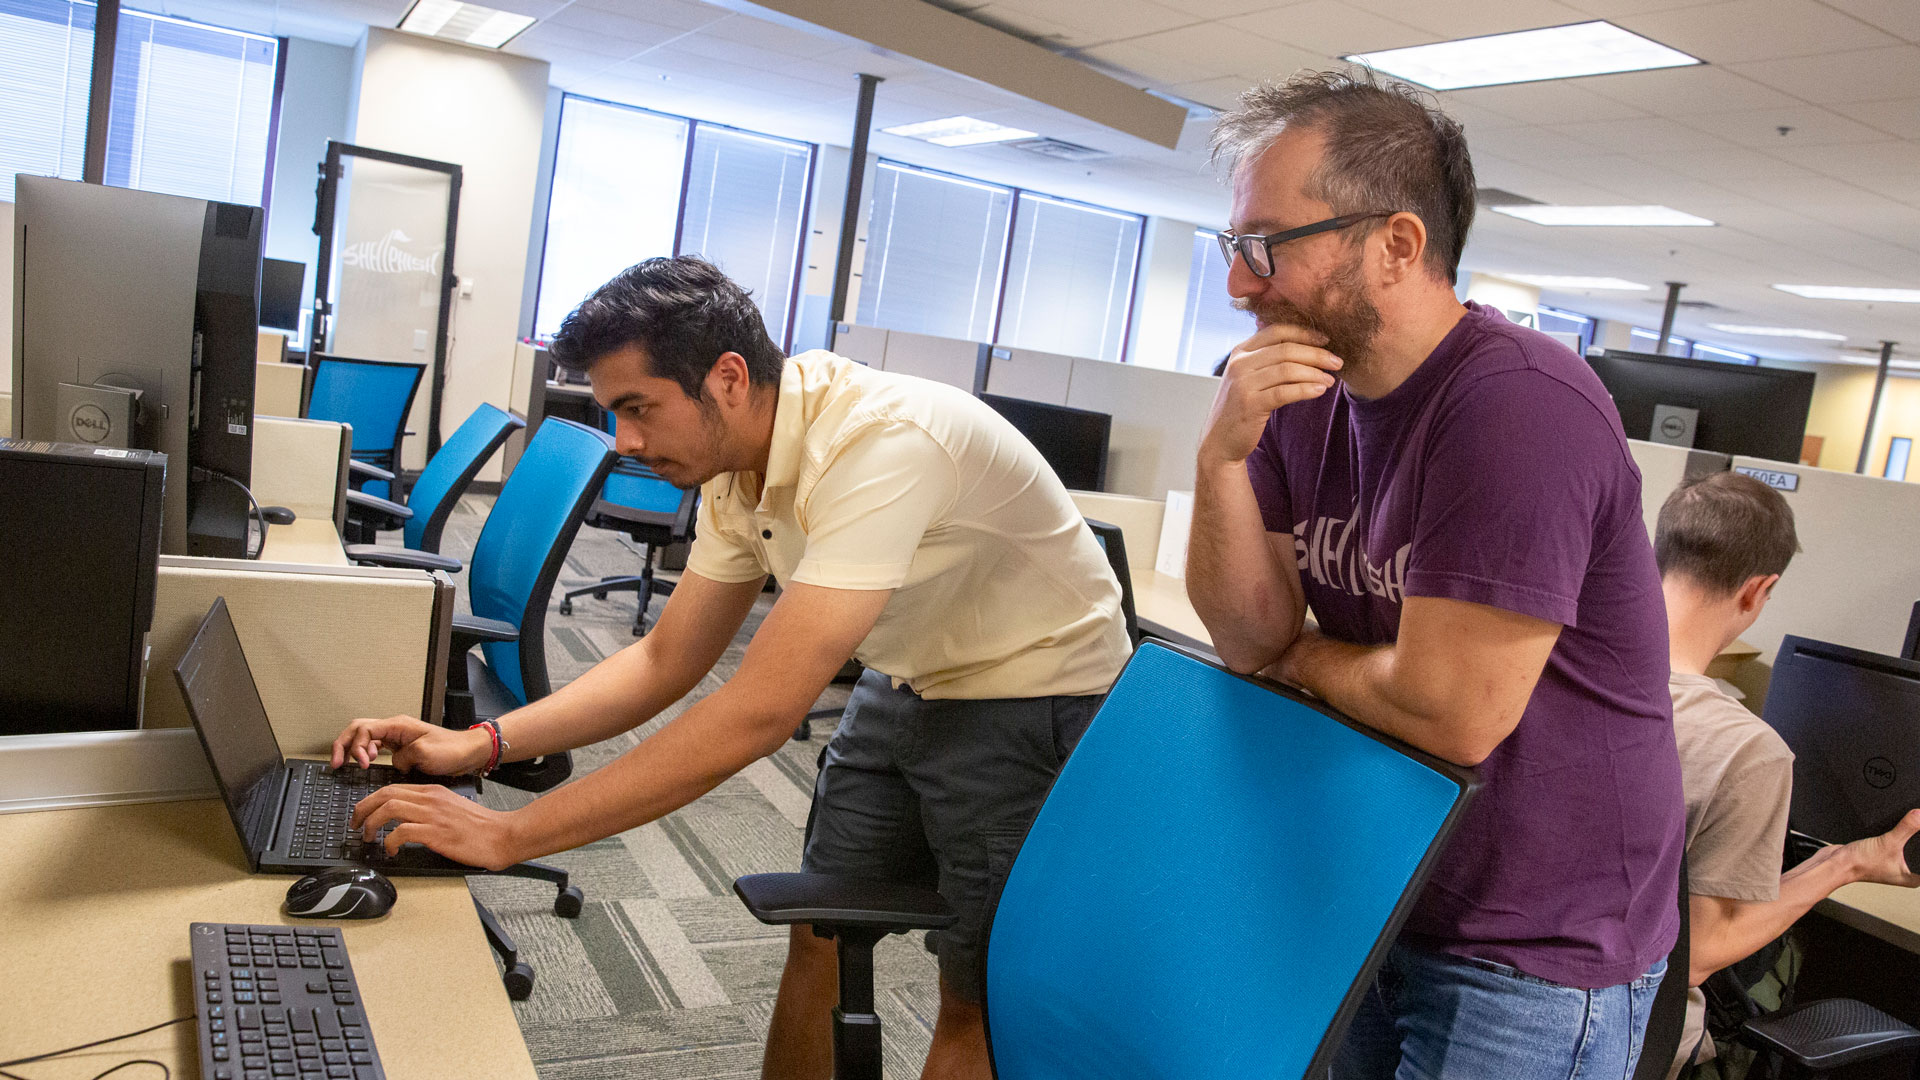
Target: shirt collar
[(789, 430)]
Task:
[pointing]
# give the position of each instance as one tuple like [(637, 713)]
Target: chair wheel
[(566, 607), (519, 980), (804, 732), (600, 595), (567, 904)]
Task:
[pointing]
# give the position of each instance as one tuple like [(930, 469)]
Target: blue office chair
[(373, 397), (636, 501), (432, 498), (1213, 908), (509, 582)]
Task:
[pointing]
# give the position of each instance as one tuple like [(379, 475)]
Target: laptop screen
[(226, 710)]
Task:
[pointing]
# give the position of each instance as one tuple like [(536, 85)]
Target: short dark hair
[(1389, 147), (683, 312), (1724, 529)]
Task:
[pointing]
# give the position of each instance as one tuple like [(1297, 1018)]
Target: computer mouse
[(345, 892), (277, 515)]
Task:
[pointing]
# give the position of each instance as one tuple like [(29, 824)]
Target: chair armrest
[(401, 558), (828, 900), (370, 472), (471, 630), (374, 505)]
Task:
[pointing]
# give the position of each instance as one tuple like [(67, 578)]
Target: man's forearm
[(1357, 680), (618, 694), (1250, 613), (1724, 932), (712, 740)]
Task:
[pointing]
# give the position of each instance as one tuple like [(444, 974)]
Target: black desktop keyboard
[(277, 1002), (322, 824)]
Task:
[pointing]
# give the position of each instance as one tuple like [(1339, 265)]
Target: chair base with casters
[(1814, 1039), (567, 904), (644, 584), (861, 913)]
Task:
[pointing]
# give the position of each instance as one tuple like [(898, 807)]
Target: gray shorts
[(939, 793)]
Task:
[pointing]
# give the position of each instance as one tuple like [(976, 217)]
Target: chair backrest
[(526, 538), (448, 473), (1115, 546), (1214, 906), (1667, 1017), (373, 396)]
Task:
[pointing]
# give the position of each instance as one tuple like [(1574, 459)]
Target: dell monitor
[(80, 538), (1708, 405), (1910, 648), (1073, 441), (282, 282), (1852, 720), (136, 323)]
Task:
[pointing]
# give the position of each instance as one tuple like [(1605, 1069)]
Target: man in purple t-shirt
[(1453, 497)]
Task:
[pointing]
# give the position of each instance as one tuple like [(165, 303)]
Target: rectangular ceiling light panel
[(469, 24), (1555, 52), (1575, 281), (1842, 292), (1777, 331), (1631, 216), (959, 131)]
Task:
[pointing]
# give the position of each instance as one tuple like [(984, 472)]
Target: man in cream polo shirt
[(910, 527)]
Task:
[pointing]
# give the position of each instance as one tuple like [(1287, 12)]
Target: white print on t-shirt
[(1326, 551)]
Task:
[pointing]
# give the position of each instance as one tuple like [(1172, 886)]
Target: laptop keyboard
[(322, 825)]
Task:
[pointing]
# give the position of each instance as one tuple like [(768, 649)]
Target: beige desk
[(1888, 912), (1160, 602), (94, 909), (311, 540)]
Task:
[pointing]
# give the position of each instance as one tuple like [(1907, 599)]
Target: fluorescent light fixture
[(469, 24), (1777, 331), (1635, 216), (956, 131), (1554, 52), (1738, 357), (1842, 292), (1575, 281)]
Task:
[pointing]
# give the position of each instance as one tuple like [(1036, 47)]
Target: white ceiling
[(1833, 201)]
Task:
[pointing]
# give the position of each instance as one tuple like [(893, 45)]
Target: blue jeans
[(1431, 1016)]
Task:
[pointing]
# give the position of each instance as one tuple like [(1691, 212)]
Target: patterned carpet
[(664, 975)]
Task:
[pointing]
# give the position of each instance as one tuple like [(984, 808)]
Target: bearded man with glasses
[(1453, 497)]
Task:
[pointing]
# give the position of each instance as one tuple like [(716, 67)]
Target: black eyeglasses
[(1258, 250)]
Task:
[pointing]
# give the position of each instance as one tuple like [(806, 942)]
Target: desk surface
[(307, 540), (1888, 912), (95, 904), (1160, 603)]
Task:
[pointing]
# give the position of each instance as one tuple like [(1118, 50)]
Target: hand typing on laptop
[(456, 827)]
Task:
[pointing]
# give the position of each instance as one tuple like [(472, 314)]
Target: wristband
[(498, 740)]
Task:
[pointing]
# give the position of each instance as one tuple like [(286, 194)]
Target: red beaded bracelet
[(493, 735)]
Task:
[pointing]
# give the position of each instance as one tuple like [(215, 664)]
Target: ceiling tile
[(1081, 23), (1808, 125), (1449, 21), (1744, 30), (555, 42), (1614, 9), (1205, 51), (1222, 9), (685, 14), (1679, 92), (1898, 17), (1221, 93), (1901, 117), (1862, 75), (1646, 136), (1331, 28), (619, 27), (1564, 101), (1861, 161)]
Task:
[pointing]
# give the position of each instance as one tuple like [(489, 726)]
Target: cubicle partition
[(1029, 374), (301, 627), (1663, 467), (6, 415), (302, 465), (1858, 574), (867, 344), (1158, 418), (944, 360)]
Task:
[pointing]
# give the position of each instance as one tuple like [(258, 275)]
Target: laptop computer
[(292, 815)]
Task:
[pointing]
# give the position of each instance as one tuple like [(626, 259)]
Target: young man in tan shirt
[(1722, 543), (910, 527)]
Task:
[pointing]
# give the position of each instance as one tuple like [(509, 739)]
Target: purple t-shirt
[(1498, 473)]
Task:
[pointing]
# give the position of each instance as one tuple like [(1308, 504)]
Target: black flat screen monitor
[(1753, 411), (1074, 441), (281, 283), (1852, 720), (1910, 648), (80, 540)]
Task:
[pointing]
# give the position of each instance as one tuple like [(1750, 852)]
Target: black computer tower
[(79, 547)]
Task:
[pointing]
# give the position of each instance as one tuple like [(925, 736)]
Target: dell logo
[(1673, 427), (89, 423), (1879, 772)]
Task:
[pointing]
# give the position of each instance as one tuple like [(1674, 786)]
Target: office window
[(935, 247), (46, 71), (615, 200), (1070, 278), (1898, 450), (1644, 340), (1567, 322), (1213, 326), (745, 206), (192, 107)]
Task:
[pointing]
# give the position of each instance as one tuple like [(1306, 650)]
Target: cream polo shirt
[(882, 481)]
